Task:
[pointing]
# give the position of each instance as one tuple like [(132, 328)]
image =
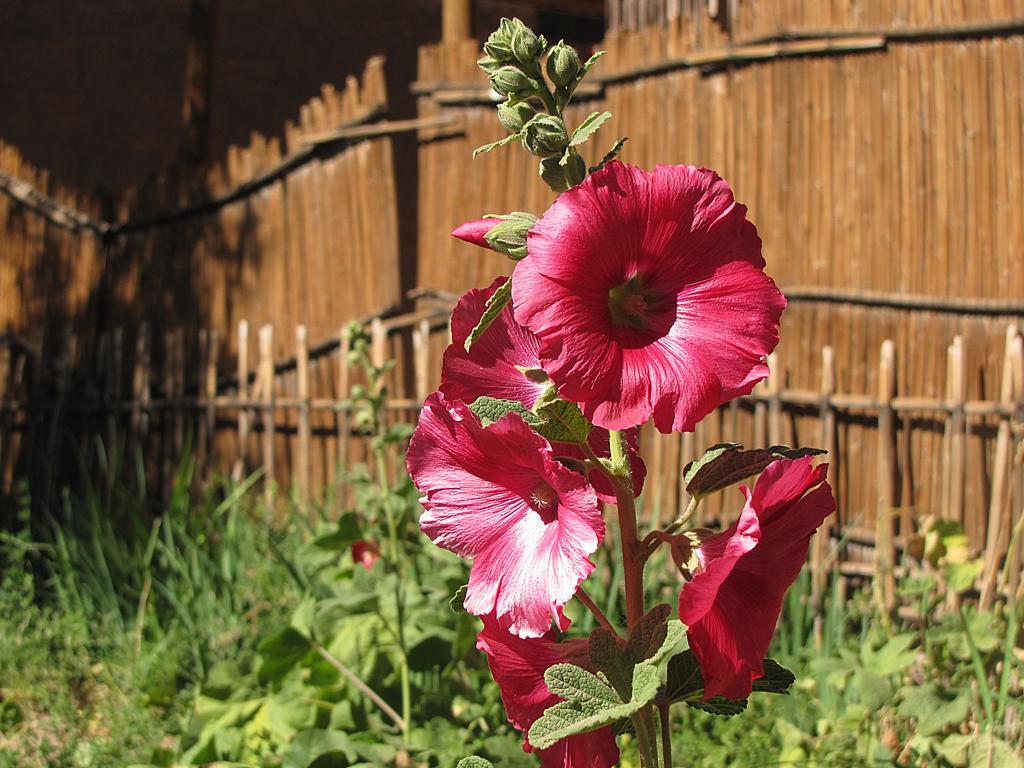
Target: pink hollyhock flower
[(365, 553), (474, 231), (647, 293), (497, 495), (733, 602), (518, 667), (504, 363)]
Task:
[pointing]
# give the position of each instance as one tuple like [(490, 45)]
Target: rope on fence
[(316, 147)]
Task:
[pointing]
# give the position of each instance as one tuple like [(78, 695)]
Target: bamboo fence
[(292, 419)]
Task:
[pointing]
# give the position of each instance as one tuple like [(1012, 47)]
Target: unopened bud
[(509, 236), (489, 64), (526, 46), (509, 81), (499, 44), (514, 115), (545, 136), (563, 64)]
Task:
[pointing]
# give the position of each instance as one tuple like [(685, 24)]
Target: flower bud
[(514, 115), (509, 236), (563, 64), (545, 136), (499, 44), (509, 81), (526, 46)]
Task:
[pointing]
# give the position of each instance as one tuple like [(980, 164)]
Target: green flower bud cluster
[(545, 136), (509, 237), (563, 64)]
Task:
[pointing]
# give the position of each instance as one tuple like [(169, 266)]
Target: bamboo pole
[(997, 533), (304, 465), (343, 415), (885, 549), (238, 471), (266, 374), (210, 398), (822, 541)]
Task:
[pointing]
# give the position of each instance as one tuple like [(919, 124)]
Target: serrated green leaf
[(567, 681), (563, 421), (892, 657), (648, 634), (494, 306), (961, 576), (720, 706), (585, 130), (777, 679), (609, 659), (474, 762), (724, 464), (610, 155), (457, 603), (495, 144), (346, 532), (490, 409), (933, 708), (588, 64)]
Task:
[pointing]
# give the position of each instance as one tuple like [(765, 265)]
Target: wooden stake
[(998, 529), (210, 397), (822, 539), (885, 549), (305, 467), (266, 374), (421, 361), (344, 425), (238, 471)]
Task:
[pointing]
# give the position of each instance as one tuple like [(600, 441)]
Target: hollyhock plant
[(648, 295), (518, 667), (733, 602), (504, 364), (497, 495), (637, 296)]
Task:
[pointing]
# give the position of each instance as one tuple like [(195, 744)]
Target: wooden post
[(421, 359), (210, 396), (201, 436), (773, 386), (179, 393), (997, 535), (822, 540), (304, 465), (1017, 483), (267, 391), (344, 426), (167, 448), (115, 384), (885, 477), (195, 111), (956, 427), (456, 20), (140, 382), (242, 372)]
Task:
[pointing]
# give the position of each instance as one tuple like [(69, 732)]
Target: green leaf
[(585, 130), (457, 603), (648, 634), (563, 421), (875, 690), (720, 706), (302, 617), (611, 660), (346, 533), (961, 576), (490, 409), (598, 706), (281, 651), (684, 678), (892, 657), (498, 301), (495, 144), (610, 155), (310, 745), (933, 708), (777, 679), (588, 64), (474, 762), (988, 751), (724, 464)]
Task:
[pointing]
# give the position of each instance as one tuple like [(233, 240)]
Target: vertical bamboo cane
[(997, 533), (202, 441), (957, 430), (773, 386), (210, 398), (115, 383), (421, 363), (238, 471), (822, 540), (885, 549), (344, 425), (140, 383), (305, 467), (266, 345)]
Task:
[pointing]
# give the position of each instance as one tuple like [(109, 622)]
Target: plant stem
[(584, 598), (979, 672), (633, 557), (366, 690), (666, 734)]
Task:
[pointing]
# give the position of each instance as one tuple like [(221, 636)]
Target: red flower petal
[(518, 666), (647, 294), (474, 231), (498, 496), (733, 603)]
